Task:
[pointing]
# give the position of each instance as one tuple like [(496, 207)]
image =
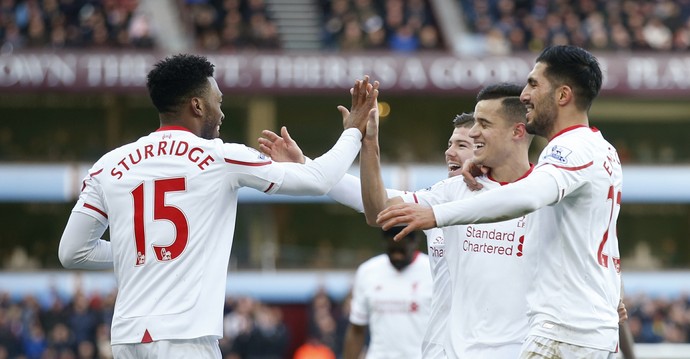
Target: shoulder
[(378, 261), (235, 153)]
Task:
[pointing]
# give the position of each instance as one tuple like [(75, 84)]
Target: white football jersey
[(576, 272), (433, 345), (170, 202), (486, 263), (394, 304)]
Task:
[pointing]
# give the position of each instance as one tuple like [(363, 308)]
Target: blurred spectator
[(76, 24), (398, 25), (265, 338)]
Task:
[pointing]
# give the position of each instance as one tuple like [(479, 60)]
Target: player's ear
[(197, 106), (565, 95), (519, 130)]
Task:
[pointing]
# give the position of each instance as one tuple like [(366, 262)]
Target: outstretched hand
[(470, 171), (364, 97), (411, 215), (280, 149)]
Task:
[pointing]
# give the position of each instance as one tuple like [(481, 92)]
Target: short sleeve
[(252, 168), (91, 201)]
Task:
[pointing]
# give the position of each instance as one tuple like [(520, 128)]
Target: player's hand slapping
[(280, 149), (364, 103), (411, 215)]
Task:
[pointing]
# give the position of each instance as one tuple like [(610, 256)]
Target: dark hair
[(176, 79), (500, 90), (575, 67), (513, 109), (509, 94), (465, 119)]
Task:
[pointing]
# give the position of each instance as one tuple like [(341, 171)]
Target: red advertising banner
[(634, 74)]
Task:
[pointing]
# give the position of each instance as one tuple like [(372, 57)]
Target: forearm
[(374, 195), (517, 199), (354, 341), (81, 246), (317, 177)]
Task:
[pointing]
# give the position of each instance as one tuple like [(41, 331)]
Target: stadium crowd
[(498, 26), (621, 25), (74, 24), (79, 327), (229, 25)]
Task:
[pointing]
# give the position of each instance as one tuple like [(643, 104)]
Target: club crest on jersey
[(559, 153)]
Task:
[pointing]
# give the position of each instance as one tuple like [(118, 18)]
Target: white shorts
[(204, 347), (536, 347)]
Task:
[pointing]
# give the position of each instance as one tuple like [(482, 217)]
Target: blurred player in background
[(576, 188), (170, 201), (391, 296), (348, 192), (488, 317)]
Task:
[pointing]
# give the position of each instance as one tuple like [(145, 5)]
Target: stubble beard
[(542, 120)]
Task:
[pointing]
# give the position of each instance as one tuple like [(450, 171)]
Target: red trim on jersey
[(173, 128), (242, 163), (83, 183), (269, 187), (91, 207), (566, 130), (531, 167), (147, 337), (416, 200), (572, 168)]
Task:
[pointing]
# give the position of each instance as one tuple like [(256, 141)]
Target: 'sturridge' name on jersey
[(163, 148)]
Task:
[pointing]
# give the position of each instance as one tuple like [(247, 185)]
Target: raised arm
[(374, 195), (317, 177)]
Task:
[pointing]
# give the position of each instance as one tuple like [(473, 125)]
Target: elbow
[(66, 257)]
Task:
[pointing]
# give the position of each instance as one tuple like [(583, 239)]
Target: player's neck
[(511, 170), (567, 119)]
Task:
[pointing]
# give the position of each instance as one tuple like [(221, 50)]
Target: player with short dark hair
[(573, 197), (484, 261), (170, 201)]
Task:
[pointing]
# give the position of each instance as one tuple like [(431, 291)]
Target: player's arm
[(318, 176), (625, 337), (282, 148), (537, 190), (354, 341), (81, 246), (374, 195)]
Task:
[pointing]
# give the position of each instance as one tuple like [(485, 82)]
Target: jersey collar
[(172, 128), (567, 129), (531, 167)]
